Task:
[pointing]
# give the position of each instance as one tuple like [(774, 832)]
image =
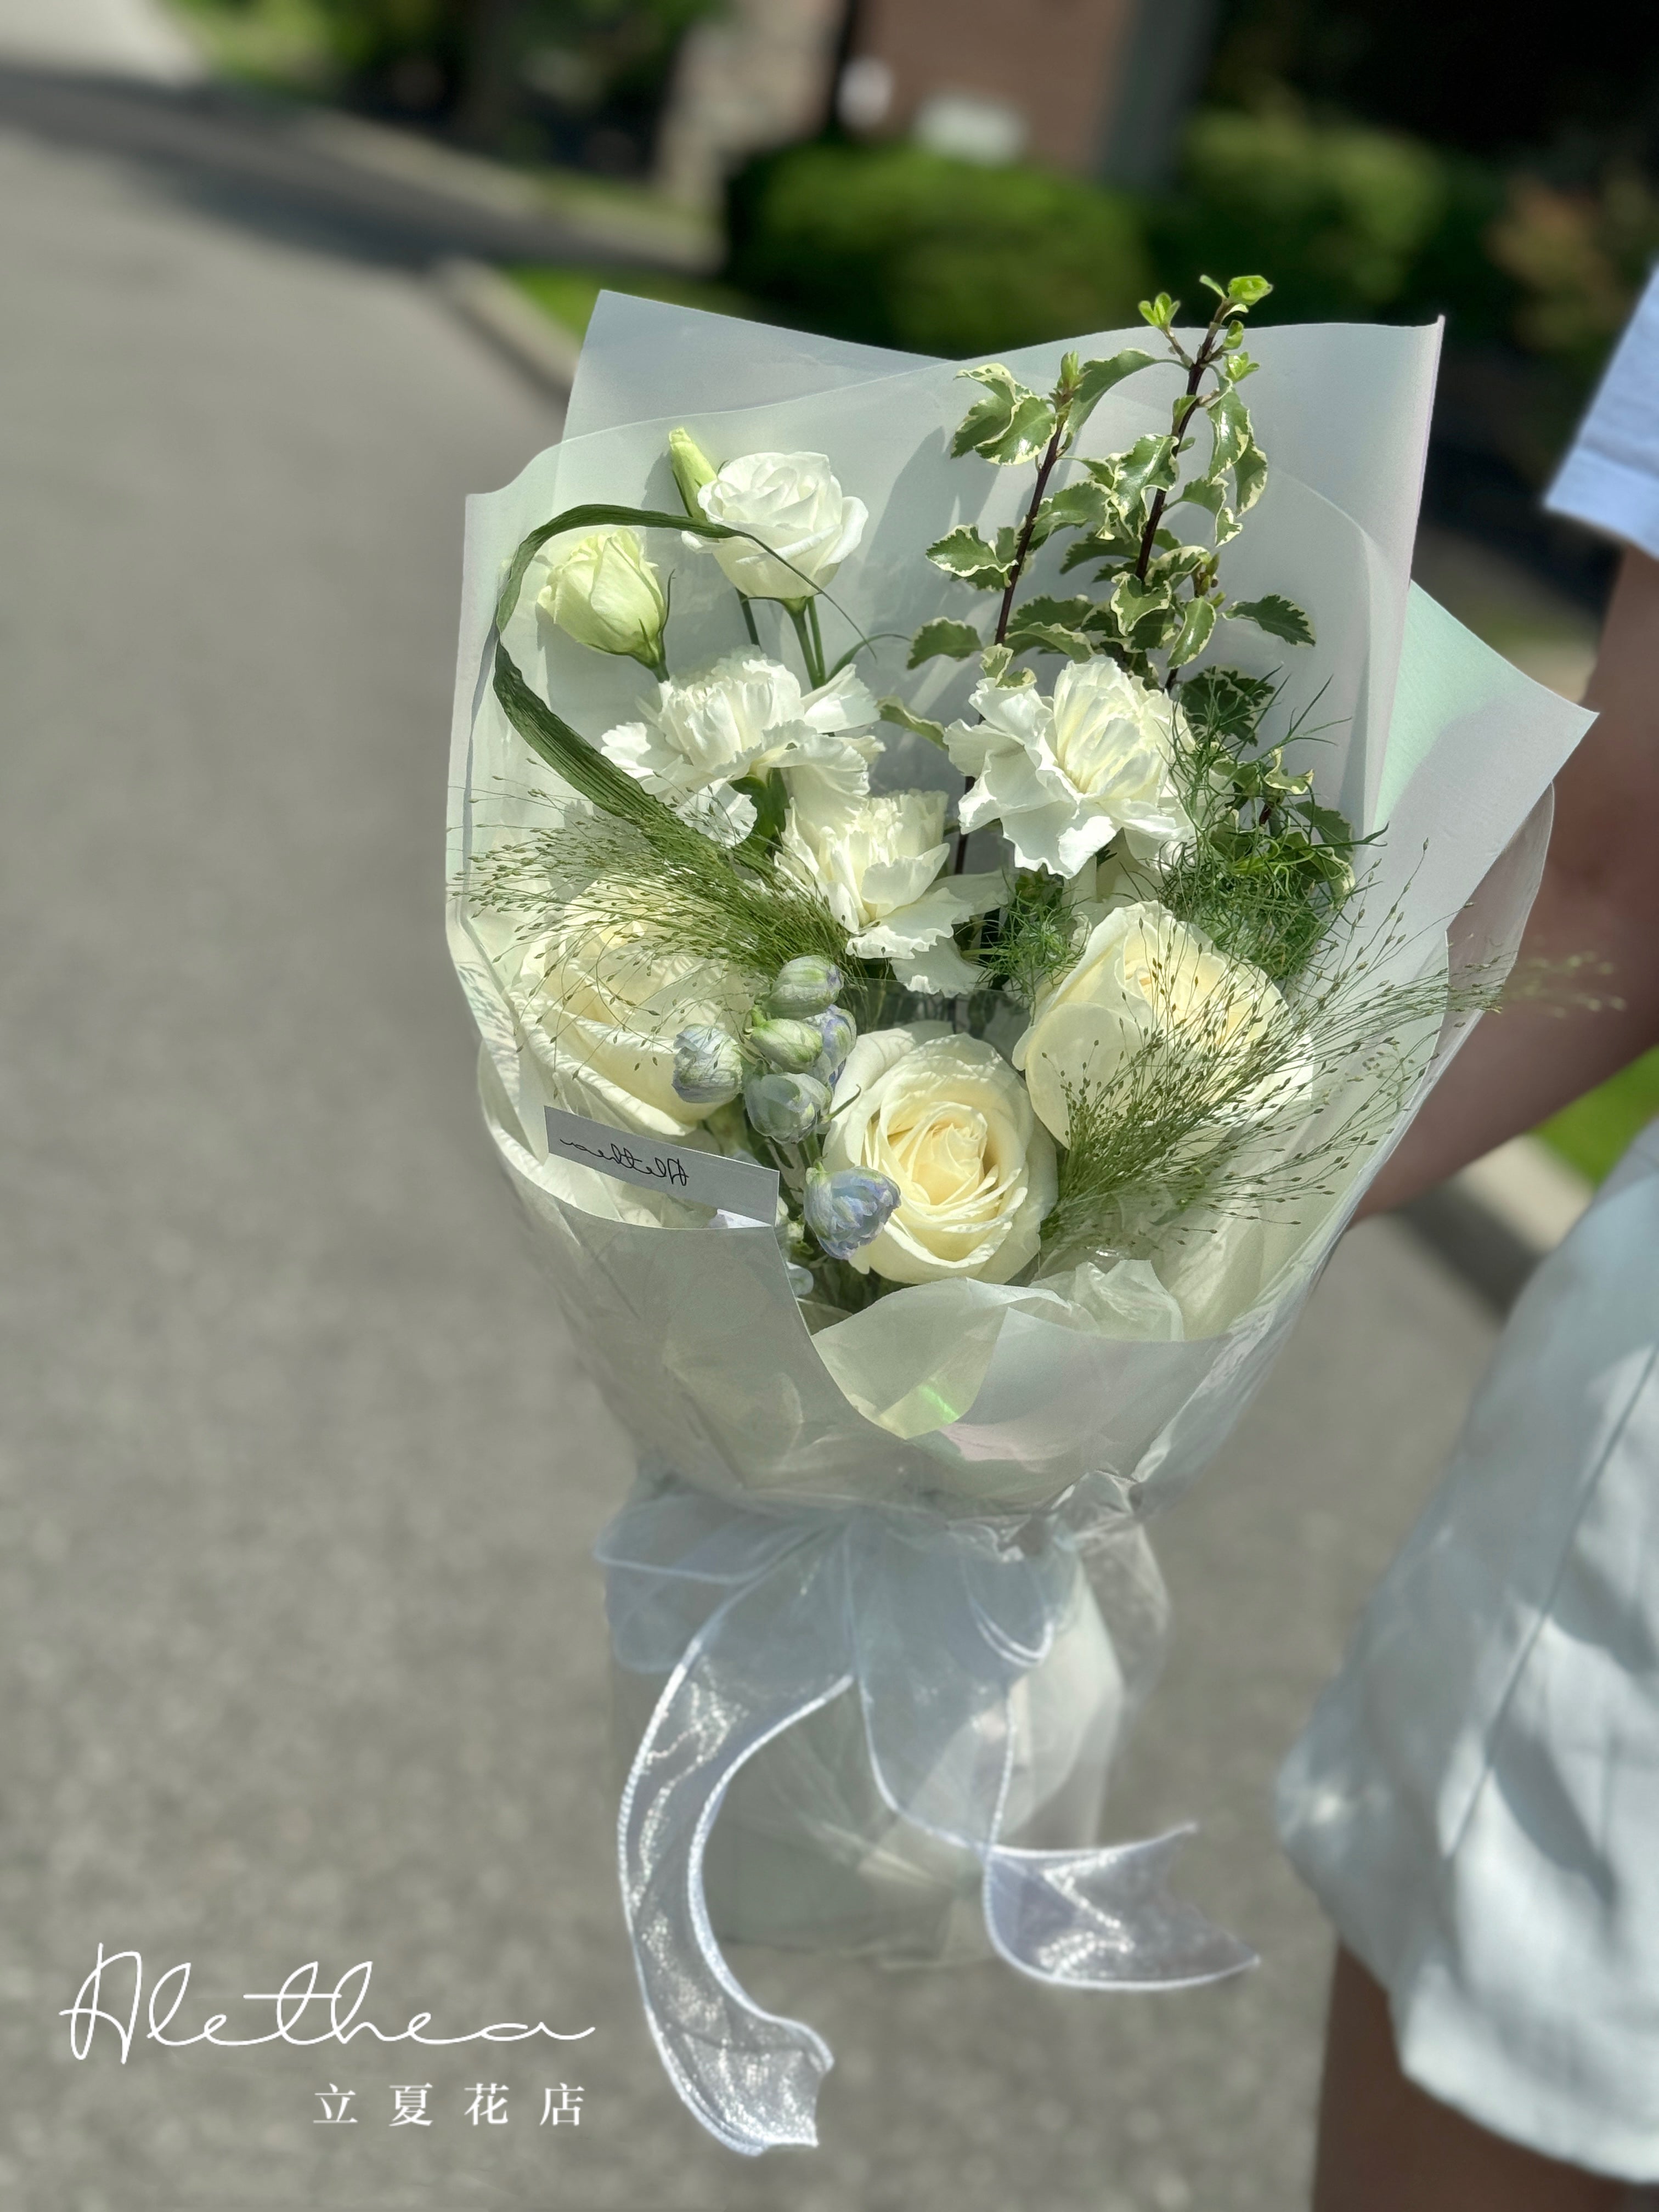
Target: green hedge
[(898, 246), (1352, 224)]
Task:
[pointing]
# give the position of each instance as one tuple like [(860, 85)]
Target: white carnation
[(1064, 774), (877, 863), (744, 717)]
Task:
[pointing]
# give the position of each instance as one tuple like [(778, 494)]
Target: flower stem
[(803, 614), (1023, 546), (1201, 361)]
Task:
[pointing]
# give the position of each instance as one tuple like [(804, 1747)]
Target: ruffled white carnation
[(946, 1120), (1064, 774), (877, 863), (793, 503), (745, 716)]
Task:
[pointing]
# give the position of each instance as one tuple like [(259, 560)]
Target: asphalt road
[(303, 1656)]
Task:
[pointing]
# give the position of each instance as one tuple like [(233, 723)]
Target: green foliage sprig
[(1165, 594), (1270, 868)]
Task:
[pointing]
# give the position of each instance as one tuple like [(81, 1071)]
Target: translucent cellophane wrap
[(895, 1559)]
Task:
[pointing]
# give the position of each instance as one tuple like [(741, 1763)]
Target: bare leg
[(1386, 2146)]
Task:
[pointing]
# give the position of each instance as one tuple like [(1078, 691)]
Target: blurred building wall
[(1049, 67), (1096, 87), (759, 75)]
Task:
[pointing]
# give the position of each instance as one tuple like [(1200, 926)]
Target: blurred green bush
[(896, 246), (899, 247), (1353, 224), (1339, 215)]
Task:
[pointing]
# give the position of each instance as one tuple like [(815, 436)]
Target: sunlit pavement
[(304, 1653)]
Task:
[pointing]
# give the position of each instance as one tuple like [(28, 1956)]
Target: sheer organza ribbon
[(758, 1618)]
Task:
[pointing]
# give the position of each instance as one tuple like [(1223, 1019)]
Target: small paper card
[(739, 1187)]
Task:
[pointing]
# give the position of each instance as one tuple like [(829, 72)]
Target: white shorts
[(1475, 1800)]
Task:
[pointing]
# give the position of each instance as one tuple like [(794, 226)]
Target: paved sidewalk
[(302, 1655)]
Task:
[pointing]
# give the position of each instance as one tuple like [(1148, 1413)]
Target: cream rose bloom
[(601, 1004), (1064, 774), (946, 1119), (793, 503), (745, 716), (1141, 972), (877, 863)]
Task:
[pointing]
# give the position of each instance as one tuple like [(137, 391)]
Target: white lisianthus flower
[(745, 716), (601, 1005), (876, 863), (602, 591), (1142, 973), (1065, 775), (946, 1120), (793, 503)]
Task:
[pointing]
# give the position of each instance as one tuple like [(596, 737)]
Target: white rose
[(793, 503), (1143, 972), (744, 717), (1064, 776), (876, 863), (602, 1002), (602, 591), (946, 1119)]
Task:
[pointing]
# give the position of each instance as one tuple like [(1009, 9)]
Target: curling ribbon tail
[(749, 2076), (1104, 1918)]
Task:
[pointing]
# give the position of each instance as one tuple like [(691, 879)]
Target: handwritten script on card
[(740, 1187)]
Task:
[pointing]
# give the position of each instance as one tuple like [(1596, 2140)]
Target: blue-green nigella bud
[(791, 1046), (845, 1210), (806, 987), (708, 1065), (786, 1107), (837, 1033)]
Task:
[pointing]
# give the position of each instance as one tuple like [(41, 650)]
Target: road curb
[(1501, 1216), (493, 306)]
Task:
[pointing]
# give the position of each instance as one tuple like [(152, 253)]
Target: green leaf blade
[(1196, 625), (896, 711), (953, 640), (1278, 616), (582, 766), (963, 553), (1097, 378)]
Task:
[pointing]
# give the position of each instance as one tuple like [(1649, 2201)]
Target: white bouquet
[(956, 907)]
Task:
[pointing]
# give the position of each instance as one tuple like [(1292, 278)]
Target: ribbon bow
[(758, 1618)]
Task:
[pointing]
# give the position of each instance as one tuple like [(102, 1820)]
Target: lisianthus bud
[(786, 1107), (794, 1046), (692, 468), (806, 987), (847, 1209), (602, 591), (837, 1033), (708, 1065)]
